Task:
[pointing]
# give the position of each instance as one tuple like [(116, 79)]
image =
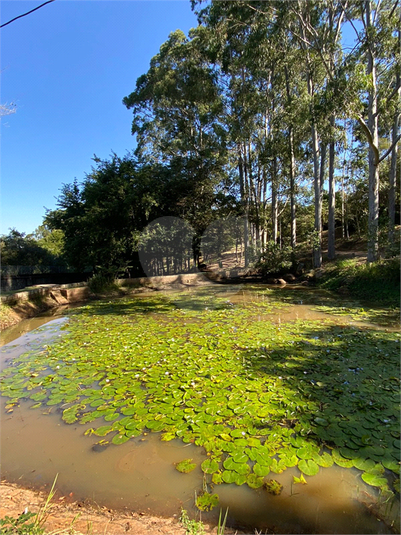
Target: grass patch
[(377, 282)]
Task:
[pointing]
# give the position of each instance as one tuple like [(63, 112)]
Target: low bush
[(274, 259), (100, 283)]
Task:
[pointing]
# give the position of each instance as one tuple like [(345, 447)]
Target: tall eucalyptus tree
[(177, 110)]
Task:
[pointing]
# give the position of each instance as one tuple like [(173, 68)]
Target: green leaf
[(325, 460), (374, 480), (209, 466), (261, 470), (103, 431), (185, 466), (300, 479), (119, 439), (229, 476), (392, 465), (308, 467), (206, 502), (254, 481), (363, 464)]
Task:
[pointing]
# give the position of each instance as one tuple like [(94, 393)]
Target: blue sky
[(67, 67)]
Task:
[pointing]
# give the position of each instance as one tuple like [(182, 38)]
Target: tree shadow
[(337, 305), (338, 386)]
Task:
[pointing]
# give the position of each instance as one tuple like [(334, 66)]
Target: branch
[(377, 10), (390, 149), (397, 88), (392, 11), (339, 22), (368, 133), (25, 14)]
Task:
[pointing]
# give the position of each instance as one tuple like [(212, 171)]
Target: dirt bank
[(76, 518), (30, 303)]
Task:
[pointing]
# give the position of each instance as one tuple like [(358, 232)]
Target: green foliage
[(102, 283), (22, 525), (51, 240), (375, 282), (274, 259), (185, 466), (221, 526), (207, 501), (192, 527), (273, 487), (19, 249)]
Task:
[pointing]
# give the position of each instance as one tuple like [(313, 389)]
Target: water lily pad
[(254, 481), (325, 460), (103, 430), (119, 439), (363, 464), (185, 466), (217, 479), (348, 453), (392, 465), (229, 476), (340, 460), (308, 467), (374, 480), (376, 470), (261, 470), (209, 466), (321, 421), (168, 436)]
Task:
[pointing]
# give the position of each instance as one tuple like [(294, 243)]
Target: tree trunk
[(373, 125), (393, 168), (317, 243), (332, 203), (274, 202), (293, 222)]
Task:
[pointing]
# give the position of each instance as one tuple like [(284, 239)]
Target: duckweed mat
[(258, 396)]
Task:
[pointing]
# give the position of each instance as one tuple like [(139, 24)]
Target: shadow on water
[(349, 376), (331, 303), (195, 299)]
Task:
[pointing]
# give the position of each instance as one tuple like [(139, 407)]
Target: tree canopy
[(264, 111)]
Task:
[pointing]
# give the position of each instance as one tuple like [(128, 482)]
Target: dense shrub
[(274, 259)]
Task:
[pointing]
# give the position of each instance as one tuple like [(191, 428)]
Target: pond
[(280, 404)]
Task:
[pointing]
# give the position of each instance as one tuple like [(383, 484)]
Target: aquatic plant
[(273, 487), (221, 526), (185, 466), (258, 396), (206, 501)]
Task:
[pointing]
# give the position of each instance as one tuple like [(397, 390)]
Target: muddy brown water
[(140, 474)]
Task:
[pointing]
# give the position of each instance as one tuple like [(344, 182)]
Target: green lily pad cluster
[(258, 396), (362, 313)]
